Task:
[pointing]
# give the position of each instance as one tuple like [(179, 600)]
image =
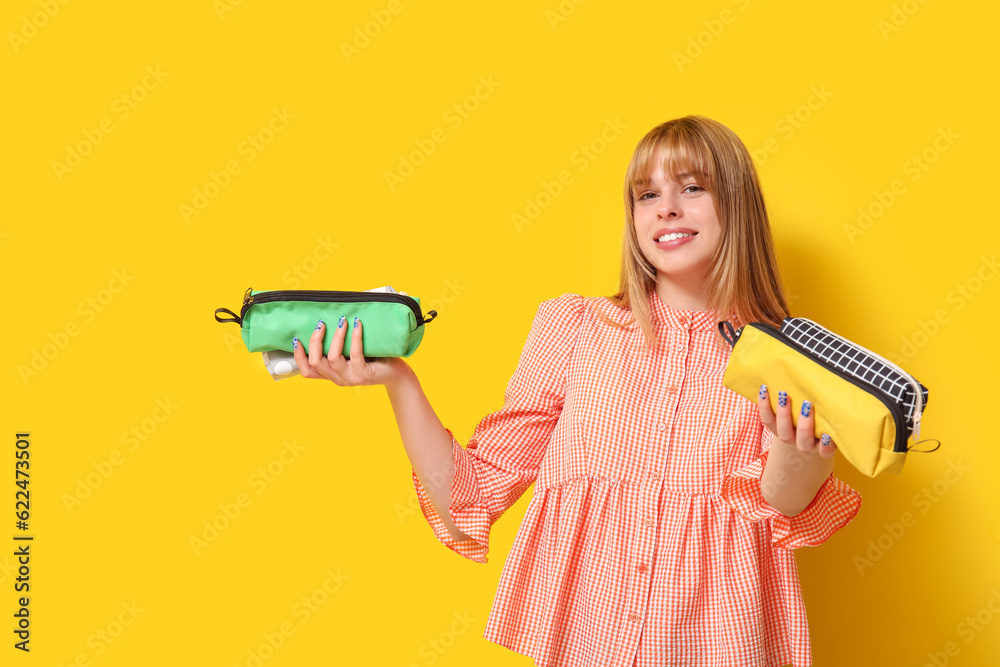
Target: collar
[(677, 318)]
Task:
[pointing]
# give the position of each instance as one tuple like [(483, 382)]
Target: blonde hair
[(743, 280)]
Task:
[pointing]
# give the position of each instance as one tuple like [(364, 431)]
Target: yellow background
[(893, 77)]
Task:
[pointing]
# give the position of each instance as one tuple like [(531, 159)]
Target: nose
[(669, 206)]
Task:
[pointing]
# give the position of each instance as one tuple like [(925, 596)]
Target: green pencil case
[(392, 323)]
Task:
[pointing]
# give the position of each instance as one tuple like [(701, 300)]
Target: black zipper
[(902, 433), (325, 295)]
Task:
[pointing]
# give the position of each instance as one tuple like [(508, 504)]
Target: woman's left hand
[(789, 435)]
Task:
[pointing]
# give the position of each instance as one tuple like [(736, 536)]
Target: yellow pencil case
[(870, 406)]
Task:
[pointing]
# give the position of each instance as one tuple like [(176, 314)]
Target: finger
[(783, 418), (827, 447), (764, 407), (316, 344), (805, 430), (357, 361), (336, 354), (321, 367), (305, 368)]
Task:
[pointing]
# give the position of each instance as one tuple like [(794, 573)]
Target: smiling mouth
[(672, 237)]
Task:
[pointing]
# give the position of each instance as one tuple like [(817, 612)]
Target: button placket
[(638, 586), (667, 404)]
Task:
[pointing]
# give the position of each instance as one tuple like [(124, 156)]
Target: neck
[(683, 295)]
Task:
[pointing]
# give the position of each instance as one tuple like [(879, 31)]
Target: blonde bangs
[(682, 151)]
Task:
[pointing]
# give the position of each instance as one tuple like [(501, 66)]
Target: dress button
[(654, 475), (672, 389), (643, 568), (648, 521), (633, 617), (661, 426), (679, 348)]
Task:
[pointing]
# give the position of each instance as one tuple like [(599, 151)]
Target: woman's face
[(664, 205)]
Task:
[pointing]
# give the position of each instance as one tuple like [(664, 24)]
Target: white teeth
[(671, 237)]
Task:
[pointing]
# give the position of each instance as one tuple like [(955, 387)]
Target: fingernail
[(806, 408), (319, 324), (763, 391), (825, 440), (340, 324), (295, 343), (782, 398), (355, 323)]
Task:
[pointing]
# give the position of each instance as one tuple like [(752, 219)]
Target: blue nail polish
[(295, 343), (763, 391), (782, 398), (806, 408), (825, 440), (340, 324), (355, 323), (319, 324)]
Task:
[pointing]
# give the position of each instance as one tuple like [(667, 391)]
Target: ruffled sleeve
[(834, 506), (505, 451)]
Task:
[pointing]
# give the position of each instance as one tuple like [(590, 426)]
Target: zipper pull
[(247, 298), (916, 426)]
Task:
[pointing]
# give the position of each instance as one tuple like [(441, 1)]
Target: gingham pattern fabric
[(847, 356), (647, 542)]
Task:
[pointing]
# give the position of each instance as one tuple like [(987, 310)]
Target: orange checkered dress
[(647, 542)]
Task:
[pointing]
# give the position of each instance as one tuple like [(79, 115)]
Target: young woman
[(666, 507)]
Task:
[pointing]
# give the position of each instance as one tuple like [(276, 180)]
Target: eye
[(645, 194), (696, 187)]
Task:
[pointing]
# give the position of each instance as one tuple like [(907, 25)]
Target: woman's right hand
[(343, 372)]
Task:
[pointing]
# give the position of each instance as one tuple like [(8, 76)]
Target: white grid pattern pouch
[(863, 365)]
